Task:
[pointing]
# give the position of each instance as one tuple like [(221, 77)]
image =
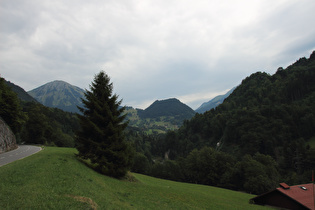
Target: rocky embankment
[(7, 138)]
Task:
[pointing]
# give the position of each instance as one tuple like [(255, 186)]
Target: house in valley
[(288, 197)]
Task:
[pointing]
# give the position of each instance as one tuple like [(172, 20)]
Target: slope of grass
[(312, 142), (55, 179)]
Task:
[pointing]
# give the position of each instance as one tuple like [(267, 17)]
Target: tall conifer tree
[(101, 138), (10, 107)]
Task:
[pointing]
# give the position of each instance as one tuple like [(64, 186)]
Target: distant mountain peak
[(59, 94), (58, 84), (168, 107)]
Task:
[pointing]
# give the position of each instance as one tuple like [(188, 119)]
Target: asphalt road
[(21, 152)]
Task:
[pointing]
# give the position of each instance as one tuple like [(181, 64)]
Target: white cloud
[(152, 49)]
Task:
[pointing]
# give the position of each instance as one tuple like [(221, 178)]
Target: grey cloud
[(152, 49)]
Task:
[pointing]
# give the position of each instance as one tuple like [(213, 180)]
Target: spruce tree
[(101, 137)]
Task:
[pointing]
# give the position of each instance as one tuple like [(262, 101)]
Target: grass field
[(55, 179), (312, 142)]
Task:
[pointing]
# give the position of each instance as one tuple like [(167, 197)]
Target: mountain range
[(62, 95), (160, 116)]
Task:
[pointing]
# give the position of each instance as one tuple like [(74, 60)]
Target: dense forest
[(34, 123), (48, 126), (262, 134)]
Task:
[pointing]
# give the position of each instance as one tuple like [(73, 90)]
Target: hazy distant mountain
[(21, 93), (168, 107), (213, 102), (59, 94)]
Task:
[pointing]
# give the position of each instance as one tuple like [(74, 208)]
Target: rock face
[(7, 138)]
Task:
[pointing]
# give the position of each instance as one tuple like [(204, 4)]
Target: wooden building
[(288, 197)]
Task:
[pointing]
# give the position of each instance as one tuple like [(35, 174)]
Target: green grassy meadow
[(312, 142), (55, 179)]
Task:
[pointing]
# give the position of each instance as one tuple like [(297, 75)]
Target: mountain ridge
[(63, 95), (214, 102), (160, 116), (21, 93)]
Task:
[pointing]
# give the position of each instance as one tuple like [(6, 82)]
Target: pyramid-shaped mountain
[(169, 107), (59, 94)]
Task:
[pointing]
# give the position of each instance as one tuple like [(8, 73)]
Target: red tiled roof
[(301, 193), (284, 185)]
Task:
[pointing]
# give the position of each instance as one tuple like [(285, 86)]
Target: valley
[(260, 135)]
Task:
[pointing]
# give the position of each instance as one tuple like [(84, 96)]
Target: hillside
[(273, 115), (59, 94), (263, 112), (213, 103), (21, 93), (55, 179)]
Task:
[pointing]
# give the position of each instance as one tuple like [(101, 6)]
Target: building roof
[(302, 195)]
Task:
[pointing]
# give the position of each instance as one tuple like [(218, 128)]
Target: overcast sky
[(190, 50)]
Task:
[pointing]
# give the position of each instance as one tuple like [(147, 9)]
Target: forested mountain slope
[(21, 93), (267, 114)]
